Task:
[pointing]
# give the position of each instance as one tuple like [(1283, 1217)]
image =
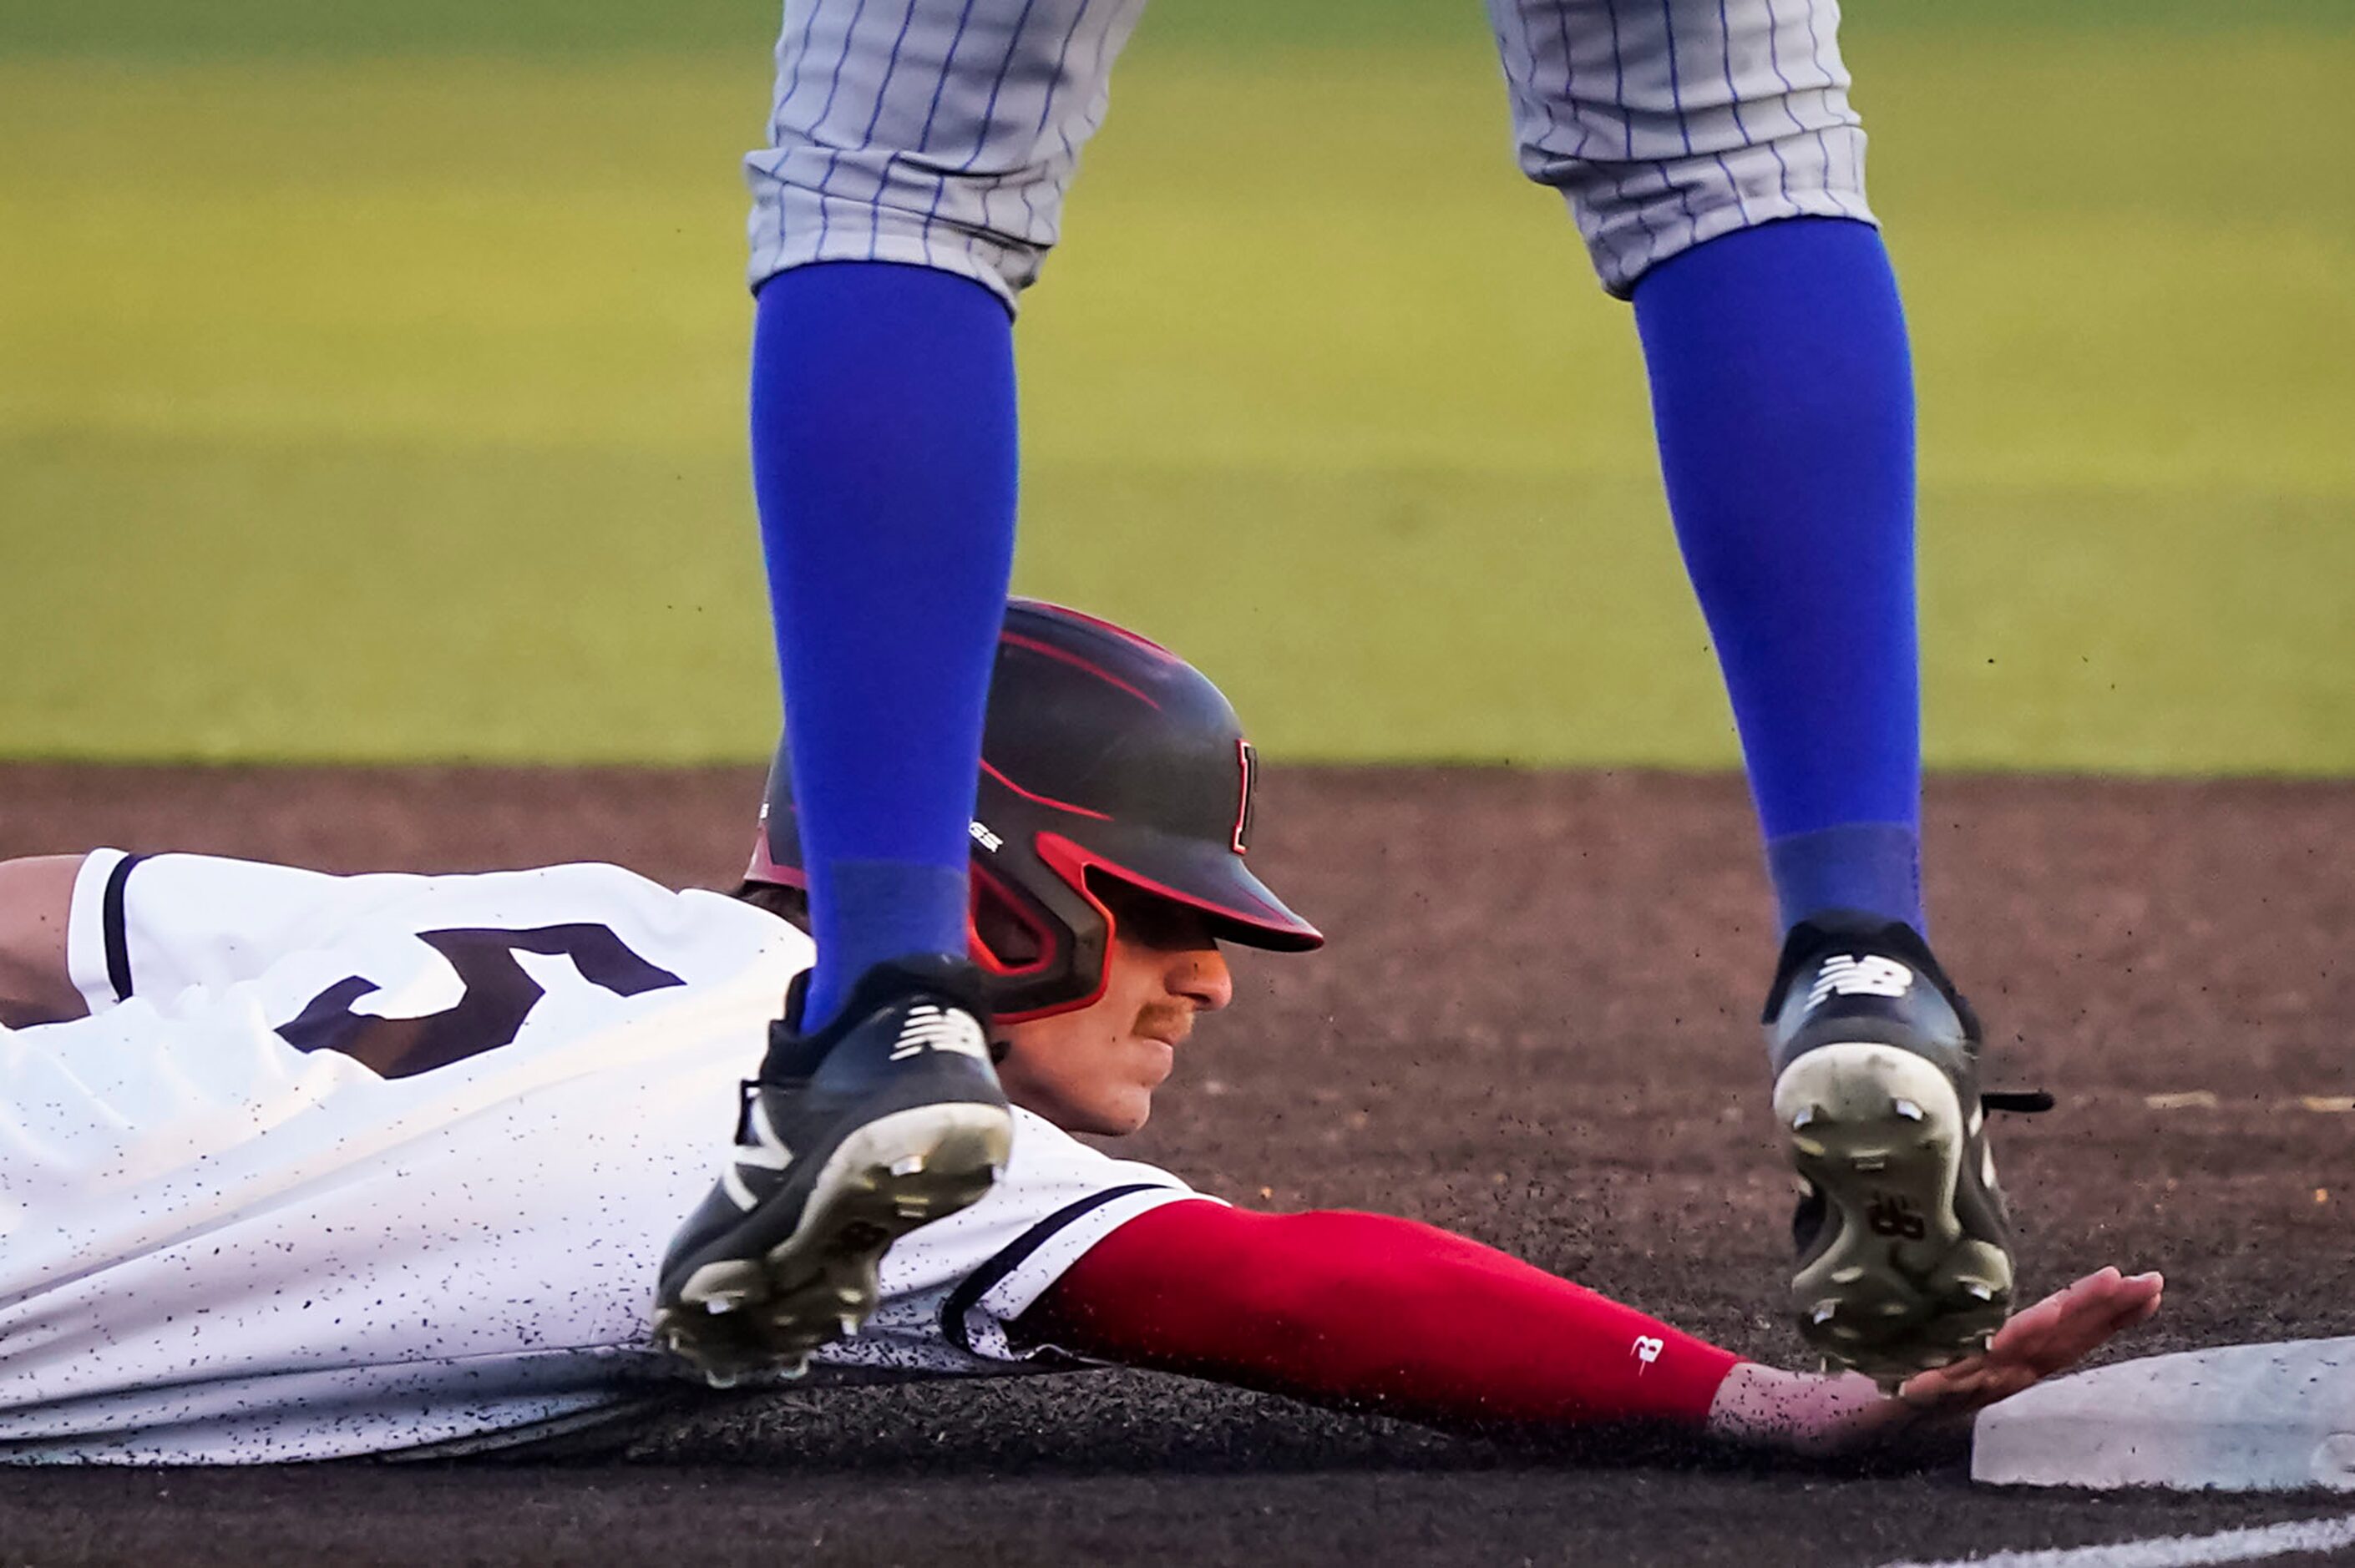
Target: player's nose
[(1200, 975)]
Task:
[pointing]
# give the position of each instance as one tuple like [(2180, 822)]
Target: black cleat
[(1905, 1245), (886, 1120)]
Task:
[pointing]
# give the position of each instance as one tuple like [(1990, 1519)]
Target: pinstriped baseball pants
[(945, 133)]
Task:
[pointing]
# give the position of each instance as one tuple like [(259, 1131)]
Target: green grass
[(175, 30), (392, 408)]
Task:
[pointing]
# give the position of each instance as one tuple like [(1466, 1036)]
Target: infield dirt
[(1534, 1024)]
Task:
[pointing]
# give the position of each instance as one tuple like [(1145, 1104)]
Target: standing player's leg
[(884, 456), (1783, 396), (1710, 155), (919, 154)]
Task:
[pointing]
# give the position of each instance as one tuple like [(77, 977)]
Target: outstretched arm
[(1373, 1312), (1399, 1318), (36, 898)]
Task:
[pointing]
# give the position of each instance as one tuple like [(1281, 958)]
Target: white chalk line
[(2175, 1551)]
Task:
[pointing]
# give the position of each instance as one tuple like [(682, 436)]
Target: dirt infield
[(1535, 1024)]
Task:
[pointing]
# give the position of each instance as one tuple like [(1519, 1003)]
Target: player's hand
[(2038, 1343), (1825, 1416), (1822, 1416)]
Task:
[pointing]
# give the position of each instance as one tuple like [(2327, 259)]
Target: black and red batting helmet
[(1105, 755)]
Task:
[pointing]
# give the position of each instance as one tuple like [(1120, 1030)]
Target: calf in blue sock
[(884, 462), (1783, 394)]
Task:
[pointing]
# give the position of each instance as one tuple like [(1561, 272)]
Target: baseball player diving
[(918, 155), (296, 1166)]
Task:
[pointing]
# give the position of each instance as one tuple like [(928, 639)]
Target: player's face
[(1094, 1069)]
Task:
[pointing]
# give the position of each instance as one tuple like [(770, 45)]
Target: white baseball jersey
[(351, 1165)]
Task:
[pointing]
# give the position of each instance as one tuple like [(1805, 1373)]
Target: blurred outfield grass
[(372, 387)]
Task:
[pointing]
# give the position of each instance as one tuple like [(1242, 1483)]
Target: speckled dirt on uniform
[(1534, 1024)]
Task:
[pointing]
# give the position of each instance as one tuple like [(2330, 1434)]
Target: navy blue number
[(499, 996)]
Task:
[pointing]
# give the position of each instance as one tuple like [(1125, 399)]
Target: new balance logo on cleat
[(1844, 974), (767, 1151), (1648, 1346), (931, 1028)]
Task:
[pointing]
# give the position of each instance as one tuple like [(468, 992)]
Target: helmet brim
[(1240, 907), (1202, 877)]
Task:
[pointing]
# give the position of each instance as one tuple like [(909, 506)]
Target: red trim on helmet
[(1043, 799), (985, 880), (764, 866), (1050, 650), (1249, 759), (1073, 863), (1101, 624), (1104, 979), (1050, 944)]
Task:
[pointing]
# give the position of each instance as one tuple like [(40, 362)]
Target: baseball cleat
[(887, 1118), (1904, 1244)]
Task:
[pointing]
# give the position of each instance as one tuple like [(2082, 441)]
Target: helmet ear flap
[(1041, 947), (1009, 935)]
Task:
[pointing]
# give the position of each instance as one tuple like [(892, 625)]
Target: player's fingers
[(2076, 1295), (2034, 1324), (2093, 1293), (2049, 1336), (2109, 1306), (2065, 1327), (2097, 1294), (2144, 1304), (2132, 1301)]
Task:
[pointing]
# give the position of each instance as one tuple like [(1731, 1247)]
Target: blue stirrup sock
[(1783, 396), (884, 461)]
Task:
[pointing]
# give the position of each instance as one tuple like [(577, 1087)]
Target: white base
[(2242, 1418)]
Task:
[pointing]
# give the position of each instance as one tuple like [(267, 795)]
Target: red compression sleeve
[(1375, 1313)]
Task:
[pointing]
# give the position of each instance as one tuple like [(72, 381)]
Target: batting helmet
[(1105, 755)]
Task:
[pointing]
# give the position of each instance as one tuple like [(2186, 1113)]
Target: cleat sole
[(1901, 1287)]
